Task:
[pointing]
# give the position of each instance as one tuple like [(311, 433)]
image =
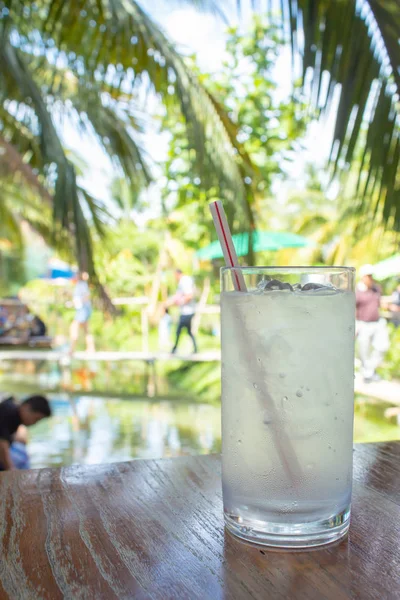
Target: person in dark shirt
[(38, 328), (12, 415), (372, 334)]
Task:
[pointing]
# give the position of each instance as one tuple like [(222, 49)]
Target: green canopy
[(262, 241), (387, 268)]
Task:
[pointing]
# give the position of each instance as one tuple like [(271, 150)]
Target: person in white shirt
[(184, 298), (83, 308)]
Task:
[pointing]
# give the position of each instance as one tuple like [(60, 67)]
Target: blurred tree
[(355, 43), (93, 63), (268, 128), (126, 196), (126, 258), (26, 209), (341, 237)]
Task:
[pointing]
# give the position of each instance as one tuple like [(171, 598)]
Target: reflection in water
[(93, 430)]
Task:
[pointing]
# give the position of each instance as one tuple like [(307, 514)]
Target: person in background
[(18, 451), (394, 305), (184, 298), (12, 415), (37, 327), (83, 308), (372, 334)]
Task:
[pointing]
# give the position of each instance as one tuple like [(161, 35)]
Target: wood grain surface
[(154, 529)]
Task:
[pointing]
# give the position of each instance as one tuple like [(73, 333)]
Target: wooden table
[(154, 529)]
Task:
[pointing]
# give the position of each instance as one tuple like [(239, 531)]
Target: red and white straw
[(228, 248)]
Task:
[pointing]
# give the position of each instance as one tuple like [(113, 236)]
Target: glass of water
[(287, 403)]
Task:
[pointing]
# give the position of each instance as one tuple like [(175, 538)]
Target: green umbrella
[(262, 241)]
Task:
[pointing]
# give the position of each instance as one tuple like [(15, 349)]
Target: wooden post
[(161, 264), (145, 329), (200, 305)]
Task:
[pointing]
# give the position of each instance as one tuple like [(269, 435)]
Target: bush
[(391, 365), (201, 380)]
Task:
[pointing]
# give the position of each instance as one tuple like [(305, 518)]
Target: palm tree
[(355, 43), (90, 60)]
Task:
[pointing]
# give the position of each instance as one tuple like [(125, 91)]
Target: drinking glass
[(287, 403)]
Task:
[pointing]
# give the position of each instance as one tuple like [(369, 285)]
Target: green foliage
[(340, 235), (121, 333), (371, 424), (202, 380), (126, 259), (391, 366), (126, 195), (268, 130), (12, 274)]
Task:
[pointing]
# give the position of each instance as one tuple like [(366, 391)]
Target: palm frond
[(19, 85), (12, 162), (99, 214), (10, 228), (117, 47), (307, 224), (125, 196), (26, 204), (116, 136), (17, 132), (98, 113), (355, 43), (50, 145), (109, 50)]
